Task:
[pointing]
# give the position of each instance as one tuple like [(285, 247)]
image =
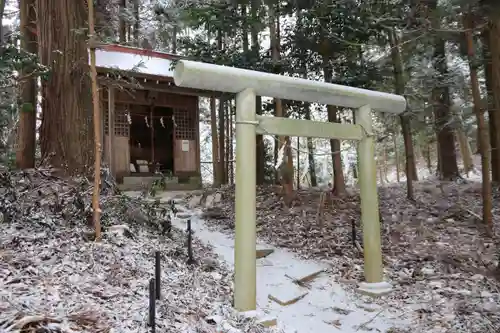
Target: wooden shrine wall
[(120, 137), (186, 137), (186, 143)]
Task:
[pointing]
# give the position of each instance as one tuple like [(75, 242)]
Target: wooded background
[(443, 56)]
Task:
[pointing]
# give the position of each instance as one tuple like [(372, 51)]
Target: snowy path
[(326, 307)]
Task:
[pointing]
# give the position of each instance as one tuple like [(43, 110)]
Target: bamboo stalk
[(97, 124)]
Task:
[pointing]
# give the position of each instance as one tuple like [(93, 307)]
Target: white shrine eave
[(135, 60)]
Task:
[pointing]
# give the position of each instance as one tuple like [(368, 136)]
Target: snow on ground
[(437, 254), (327, 307), (89, 287), (55, 279)]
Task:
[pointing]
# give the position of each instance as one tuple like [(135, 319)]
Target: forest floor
[(55, 279), (437, 254)]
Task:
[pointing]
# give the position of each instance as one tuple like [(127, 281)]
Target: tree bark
[(310, 149), (137, 23), (286, 169), (260, 148), (230, 150), (338, 175), (396, 156), (484, 147), (441, 103), (227, 120), (103, 17), (66, 132), (222, 139), (215, 143), (307, 109), (491, 49), (384, 162), (245, 41), (123, 23), (2, 11), (465, 150), (399, 88), (25, 155)]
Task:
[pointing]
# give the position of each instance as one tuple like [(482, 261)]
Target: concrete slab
[(287, 294)]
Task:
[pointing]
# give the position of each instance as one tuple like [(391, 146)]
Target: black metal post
[(173, 208), (158, 274), (189, 243), (152, 306)]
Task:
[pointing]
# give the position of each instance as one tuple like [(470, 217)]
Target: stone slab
[(287, 294), (209, 201), (217, 197), (263, 252), (261, 318), (304, 275), (194, 201), (267, 321), (184, 215)]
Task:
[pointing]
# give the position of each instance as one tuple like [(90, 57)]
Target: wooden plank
[(306, 128), (185, 161), (121, 156), (143, 97)]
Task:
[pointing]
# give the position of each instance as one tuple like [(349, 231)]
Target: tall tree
[(66, 133), (491, 104), (123, 21), (25, 155), (491, 55), (103, 18), (399, 84), (2, 11), (286, 167), (254, 55), (137, 22), (215, 142), (484, 145), (447, 157)]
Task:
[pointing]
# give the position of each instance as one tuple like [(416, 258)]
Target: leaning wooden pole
[(97, 124)]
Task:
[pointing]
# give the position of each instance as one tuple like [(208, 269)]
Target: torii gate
[(247, 84)]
